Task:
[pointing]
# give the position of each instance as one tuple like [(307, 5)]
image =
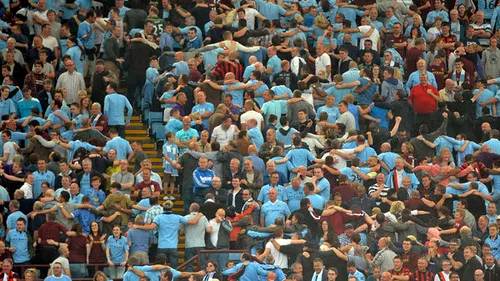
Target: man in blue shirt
[(86, 36), (42, 175), (185, 136), (294, 193), (25, 105), (263, 196), (251, 272), (18, 240), (273, 63), (204, 108), (168, 227), (321, 184), (114, 108), (122, 146), (255, 133), (273, 209)]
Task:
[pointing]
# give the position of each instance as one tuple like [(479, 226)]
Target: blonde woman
[(417, 23), (100, 276), (31, 274)]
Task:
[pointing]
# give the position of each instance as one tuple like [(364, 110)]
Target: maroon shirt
[(97, 254), (50, 230), (400, 39), (469, 68), (439, 71), (414, 54), (77, 249), (152, 184)]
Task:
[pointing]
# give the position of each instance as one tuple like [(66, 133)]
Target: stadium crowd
[(328, 140)]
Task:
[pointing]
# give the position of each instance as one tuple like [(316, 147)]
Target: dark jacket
[(220, 195), (492, 274), (137, 57), (223, 236), (469, 268), (238, 200)]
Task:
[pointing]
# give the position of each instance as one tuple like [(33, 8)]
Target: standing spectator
[(168, 226), (139, 240), (195, 238), (18, 242), (117, 252), (72, 81), (219, 229), (114, 107)]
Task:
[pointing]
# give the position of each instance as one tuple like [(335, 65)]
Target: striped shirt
[(422, 276), (224, 67), (73, 82), (487, 28)]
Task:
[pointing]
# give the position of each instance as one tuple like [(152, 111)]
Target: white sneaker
[(166, 198), (172, 197)]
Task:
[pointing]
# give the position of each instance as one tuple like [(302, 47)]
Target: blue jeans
[(115, 271), (78, 270), (172, 256), (219, 258), (191, 252)]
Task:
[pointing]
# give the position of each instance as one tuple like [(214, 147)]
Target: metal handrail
[(198, 256)]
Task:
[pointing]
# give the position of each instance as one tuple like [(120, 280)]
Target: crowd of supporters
[(327, 140)]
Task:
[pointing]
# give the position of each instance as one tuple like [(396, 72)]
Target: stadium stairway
[(138, 131)]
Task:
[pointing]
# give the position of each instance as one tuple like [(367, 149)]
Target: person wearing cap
[(168, 227)]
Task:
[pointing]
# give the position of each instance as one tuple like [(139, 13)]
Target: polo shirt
[(202, 108), (168, 226), (264, 193), (184, 135), (294, 197), (140, 240), (19, 241), (41, 177), (275, 63), (271, 211), (324, 188), (117, 248), (121, 146)]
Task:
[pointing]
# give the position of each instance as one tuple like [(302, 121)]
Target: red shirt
[(50, 230), (155, 187), (458, 225), (422, 102)]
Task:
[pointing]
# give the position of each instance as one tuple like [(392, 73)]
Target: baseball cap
[(348, 225)]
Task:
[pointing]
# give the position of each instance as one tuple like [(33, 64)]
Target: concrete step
[(139, 132)]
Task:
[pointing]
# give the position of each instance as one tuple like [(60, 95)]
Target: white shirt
[(280, 259), (322, 62), (28, 190), (214, 235), (341, 162), (42, 16), (295, 64), (252, 114), (250, 14), (8, 147), (374, 37), (445, 275), (223, 137), (50, 42)]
